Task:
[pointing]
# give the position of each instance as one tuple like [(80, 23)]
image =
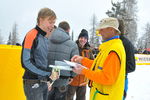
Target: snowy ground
[(139, 84)]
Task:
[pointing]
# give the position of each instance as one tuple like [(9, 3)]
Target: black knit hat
[(84, 33)]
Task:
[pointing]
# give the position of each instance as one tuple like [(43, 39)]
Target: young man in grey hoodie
[(61, 48)]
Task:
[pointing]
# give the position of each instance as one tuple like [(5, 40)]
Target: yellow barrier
[(11, 86), (142, 59)]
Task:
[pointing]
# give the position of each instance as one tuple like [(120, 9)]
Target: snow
[(139, 84)]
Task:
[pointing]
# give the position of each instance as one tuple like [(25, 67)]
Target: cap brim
[(99, 28)]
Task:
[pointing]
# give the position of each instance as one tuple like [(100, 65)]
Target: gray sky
[(77, 12)]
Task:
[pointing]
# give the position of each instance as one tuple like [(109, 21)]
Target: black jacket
[(130, 58)]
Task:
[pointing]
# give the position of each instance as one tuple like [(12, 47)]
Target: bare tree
[(146, 36), (1, 38), (72, 36), (131, 29), (140, 43), (94, 40), (9, 42), (118, 10), (144, 40), (126, 10), (13, 36)]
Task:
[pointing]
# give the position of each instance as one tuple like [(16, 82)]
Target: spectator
[(61, 48), (78, 85), (130, 58)]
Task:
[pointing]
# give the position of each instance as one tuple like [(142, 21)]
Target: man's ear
[(40, 20)]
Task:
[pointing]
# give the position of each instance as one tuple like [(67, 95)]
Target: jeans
[(35, 90), (58, 93), (79, 90)]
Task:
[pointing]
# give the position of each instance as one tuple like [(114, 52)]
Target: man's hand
[(49, 85), (78, 69), (70, 80), (55, 74), (82, 84), (76, 59)]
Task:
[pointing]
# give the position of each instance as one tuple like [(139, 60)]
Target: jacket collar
[(40, 31), (115, 37)]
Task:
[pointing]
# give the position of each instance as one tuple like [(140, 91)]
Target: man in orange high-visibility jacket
[(107, 72)]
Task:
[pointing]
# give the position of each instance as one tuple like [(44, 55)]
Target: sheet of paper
[(70, 63), (61, 67), (73, 64)]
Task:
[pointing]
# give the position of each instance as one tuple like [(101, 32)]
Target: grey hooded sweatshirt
[(61, 48)]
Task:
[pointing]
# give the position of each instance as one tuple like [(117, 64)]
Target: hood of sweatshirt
[(59, 36)]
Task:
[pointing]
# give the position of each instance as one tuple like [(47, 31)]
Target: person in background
[(107, 72), (129, 50), (95, 51), (34, 56), (78, 85), (61, 48), (146, 51)]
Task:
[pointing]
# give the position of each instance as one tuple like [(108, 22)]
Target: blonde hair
[(46, 12)]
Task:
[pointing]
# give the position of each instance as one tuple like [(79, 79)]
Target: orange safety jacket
[(107, 72)]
